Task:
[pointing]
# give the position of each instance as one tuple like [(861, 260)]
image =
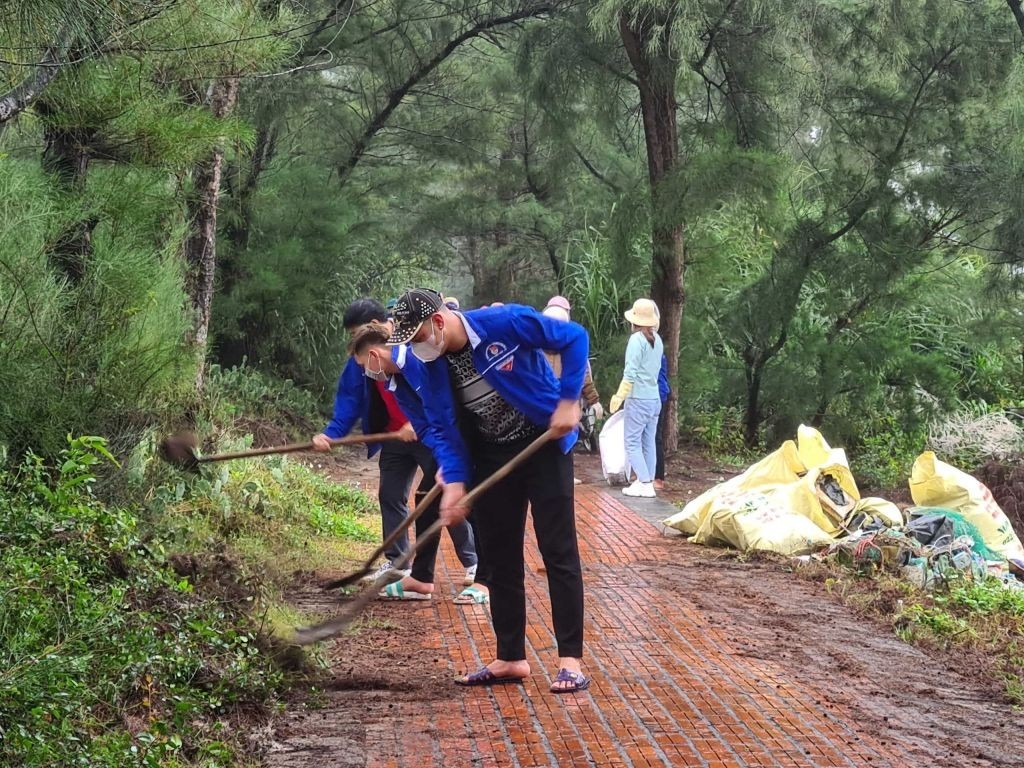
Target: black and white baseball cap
[(411, 310)]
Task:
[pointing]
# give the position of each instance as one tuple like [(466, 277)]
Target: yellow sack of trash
[(880, 510), (760, 521), (933, 483), (806, 477)]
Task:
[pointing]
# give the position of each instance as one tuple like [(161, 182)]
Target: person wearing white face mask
[(491, 393), (399, 375), (361, 399)]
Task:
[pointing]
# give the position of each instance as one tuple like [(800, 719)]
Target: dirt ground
[(926, 707)]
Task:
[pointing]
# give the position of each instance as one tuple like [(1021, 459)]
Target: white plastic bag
[(614, 462)]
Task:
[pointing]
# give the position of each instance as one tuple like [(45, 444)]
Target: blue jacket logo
[(496, 349)]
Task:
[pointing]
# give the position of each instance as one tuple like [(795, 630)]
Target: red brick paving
[(668, 688)]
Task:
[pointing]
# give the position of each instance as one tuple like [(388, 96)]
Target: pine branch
[(21, 97), (1018, 12), (596, 173), (396, 96)]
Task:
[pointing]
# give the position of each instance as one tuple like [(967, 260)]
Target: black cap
[(411, 310)]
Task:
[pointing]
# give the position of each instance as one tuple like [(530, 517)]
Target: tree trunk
[(752, 414), (21, 96), (66, 156), (655, 64), (200, 249)]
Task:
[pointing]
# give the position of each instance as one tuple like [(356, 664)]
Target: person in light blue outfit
[(640, 395)]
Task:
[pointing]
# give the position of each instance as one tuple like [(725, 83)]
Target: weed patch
[(982, 622), (146, 636)]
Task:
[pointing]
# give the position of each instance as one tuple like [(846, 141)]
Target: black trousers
[(545, 484), (398, 465), (461, 535), (659, 443)]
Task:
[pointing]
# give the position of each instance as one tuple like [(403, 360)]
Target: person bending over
[(486, 369), (402, 375)]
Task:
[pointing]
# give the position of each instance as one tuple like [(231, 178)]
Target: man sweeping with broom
[(360, 398), (487, 369)]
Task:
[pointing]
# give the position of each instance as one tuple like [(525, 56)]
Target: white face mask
[(431, 349), (377, 375)]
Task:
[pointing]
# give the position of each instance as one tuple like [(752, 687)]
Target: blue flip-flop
[(472, 596), (396, 591), (484, 676), (578, 681)]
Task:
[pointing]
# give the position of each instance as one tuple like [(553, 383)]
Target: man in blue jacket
[(487, 373), (403, 376), (359, 399)]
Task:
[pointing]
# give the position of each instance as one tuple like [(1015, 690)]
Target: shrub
[(107, 657)]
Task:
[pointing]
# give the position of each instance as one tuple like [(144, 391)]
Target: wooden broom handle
[(294, 447)]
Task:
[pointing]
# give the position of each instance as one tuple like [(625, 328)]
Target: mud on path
[(697, 659)]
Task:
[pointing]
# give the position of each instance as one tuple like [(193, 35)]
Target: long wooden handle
[(401, 530), (294, 447), (341, 622)]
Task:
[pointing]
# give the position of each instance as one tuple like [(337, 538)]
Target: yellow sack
[(777, 468), (809, 500), (880, 509), (811, 447), (756, 521), (792, 473), (933, 483)]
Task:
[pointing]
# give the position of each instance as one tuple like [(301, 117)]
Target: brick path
[(669, 689)]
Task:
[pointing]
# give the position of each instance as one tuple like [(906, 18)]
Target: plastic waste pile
[(802, 499)]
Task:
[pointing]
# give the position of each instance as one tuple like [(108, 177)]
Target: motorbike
[(588, 431), (588, 428)]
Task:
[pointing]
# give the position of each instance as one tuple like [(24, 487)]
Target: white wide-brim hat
[(644, 314)]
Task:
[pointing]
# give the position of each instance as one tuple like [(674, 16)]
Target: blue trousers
[(641, 436)]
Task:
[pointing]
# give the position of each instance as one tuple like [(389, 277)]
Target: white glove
[(598, 411)]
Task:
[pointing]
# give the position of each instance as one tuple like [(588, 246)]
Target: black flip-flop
[(579, 681), (484, 676)]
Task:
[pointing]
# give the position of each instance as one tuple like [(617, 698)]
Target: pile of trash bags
[(803, 499)]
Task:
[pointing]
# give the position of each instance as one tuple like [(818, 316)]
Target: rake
[(341, 622), (181, 450)]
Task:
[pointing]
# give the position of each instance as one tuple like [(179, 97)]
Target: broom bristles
[(180, 451)]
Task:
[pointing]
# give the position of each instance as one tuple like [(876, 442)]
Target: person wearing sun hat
[(488, 375), (639, 393)]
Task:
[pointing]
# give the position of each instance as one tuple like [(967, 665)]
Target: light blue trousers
[(641, 430)]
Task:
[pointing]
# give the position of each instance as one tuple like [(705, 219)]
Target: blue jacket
[(664, 388), (508, 350), (410, 389), (358, 400), (351, 404)]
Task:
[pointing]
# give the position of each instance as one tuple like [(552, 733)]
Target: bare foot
[(502, 668), (574, 666), (409, 584)]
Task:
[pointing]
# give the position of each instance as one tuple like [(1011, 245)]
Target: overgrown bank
[(142, 631)]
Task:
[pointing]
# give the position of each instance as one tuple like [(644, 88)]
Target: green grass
[(276, 515), (140, 636)]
